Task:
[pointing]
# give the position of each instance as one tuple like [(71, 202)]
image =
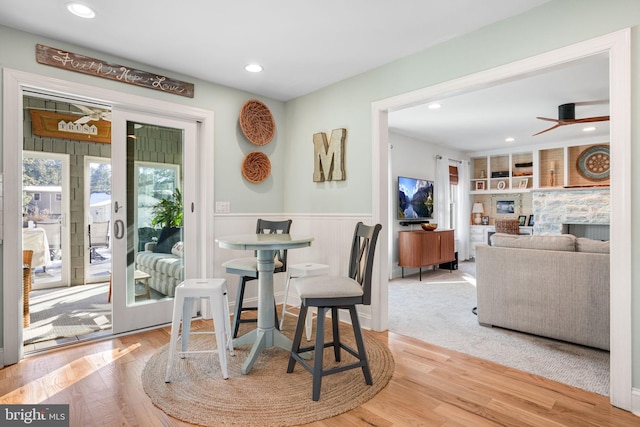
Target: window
[(453, 175), (156, 181), (453, 195), (36, 197)]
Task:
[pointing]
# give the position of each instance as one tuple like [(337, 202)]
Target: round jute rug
[(267, 396)]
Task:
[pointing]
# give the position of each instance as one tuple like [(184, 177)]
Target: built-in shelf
[(545, 168), (504, 173)]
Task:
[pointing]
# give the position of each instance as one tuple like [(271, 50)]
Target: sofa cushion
[(168, 264), (169, 236), (584, 244), (561, 242)]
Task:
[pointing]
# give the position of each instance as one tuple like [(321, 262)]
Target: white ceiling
[(481, 120), (305, 46)]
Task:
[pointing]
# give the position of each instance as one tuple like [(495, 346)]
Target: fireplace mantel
[(554, 209)]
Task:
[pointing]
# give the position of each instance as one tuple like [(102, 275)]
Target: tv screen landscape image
[(415, 199)]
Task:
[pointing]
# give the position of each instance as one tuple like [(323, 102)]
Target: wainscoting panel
[(332, 240)]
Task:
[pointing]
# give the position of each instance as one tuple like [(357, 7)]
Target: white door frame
[(618, 46), (14, 84)]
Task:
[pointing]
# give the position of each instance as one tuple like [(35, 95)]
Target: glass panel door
[(98, 219), (45, 208), (153, 174)]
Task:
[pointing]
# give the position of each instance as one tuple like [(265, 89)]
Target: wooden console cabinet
[(417, 248)]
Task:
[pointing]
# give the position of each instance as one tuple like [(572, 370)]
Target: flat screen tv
[(415, 199)]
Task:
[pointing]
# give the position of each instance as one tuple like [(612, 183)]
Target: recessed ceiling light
[(81, 10), (509, 139), (253, 68), (589, 129), (434, 106)]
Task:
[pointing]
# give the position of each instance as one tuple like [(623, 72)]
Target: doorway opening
[(68, 299), (617, 46)]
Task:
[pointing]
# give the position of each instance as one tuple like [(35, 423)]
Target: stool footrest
[(197, 351)]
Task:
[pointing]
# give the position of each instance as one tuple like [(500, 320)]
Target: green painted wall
[(348, 104), (17, 51), (553, 25)]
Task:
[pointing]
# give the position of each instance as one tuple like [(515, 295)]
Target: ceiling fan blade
[(551, 128), (547, 119), (592, 119)]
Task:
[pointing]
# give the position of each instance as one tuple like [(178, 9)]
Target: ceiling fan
[(91, 115), (567, 116)]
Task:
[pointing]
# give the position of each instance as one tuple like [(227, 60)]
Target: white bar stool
[(186, 294), (306, 269)]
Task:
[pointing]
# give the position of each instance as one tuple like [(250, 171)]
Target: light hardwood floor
[(431, 386)]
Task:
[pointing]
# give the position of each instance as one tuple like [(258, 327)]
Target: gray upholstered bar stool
[(295, 271), (336, 293), (186, 294)]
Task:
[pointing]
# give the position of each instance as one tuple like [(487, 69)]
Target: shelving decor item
[(256, 122), (256, 167)]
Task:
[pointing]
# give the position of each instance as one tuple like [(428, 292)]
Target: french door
[(153, 159), (45, 207)]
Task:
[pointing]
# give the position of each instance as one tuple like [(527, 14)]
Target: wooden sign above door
[(56, 125), (96, 67)]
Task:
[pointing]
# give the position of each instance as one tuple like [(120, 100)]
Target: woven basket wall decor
[(256, 167), (257, 123)]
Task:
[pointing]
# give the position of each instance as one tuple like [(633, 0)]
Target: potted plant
[(168, 213)]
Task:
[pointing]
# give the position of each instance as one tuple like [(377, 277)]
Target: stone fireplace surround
[(584, 211)]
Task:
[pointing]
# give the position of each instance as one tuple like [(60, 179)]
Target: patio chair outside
[(98, 238)]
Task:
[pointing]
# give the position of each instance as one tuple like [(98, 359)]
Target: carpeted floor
[(438, 310), (268, 395)]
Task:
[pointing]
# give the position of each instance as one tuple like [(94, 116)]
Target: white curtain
[(463, 212), (442, 192)]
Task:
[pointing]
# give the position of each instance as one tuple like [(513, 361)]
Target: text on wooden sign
[(96, 67)]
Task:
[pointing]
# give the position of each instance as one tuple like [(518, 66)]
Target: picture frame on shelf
[(502, 185), (479, 185), (531, 221), (522, 220), (505, 207), (485, 220), (524, 182)]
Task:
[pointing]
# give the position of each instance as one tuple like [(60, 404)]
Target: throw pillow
[(178, 249), (169, 236), (558, 242), (594, 246)]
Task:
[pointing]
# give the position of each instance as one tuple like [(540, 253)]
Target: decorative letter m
[(328, 163)]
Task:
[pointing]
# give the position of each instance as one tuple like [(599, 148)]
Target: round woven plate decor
[(594, 163), (257, 122), (256, 167)]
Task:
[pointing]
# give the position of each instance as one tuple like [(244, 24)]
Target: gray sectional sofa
[(552, 286)]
